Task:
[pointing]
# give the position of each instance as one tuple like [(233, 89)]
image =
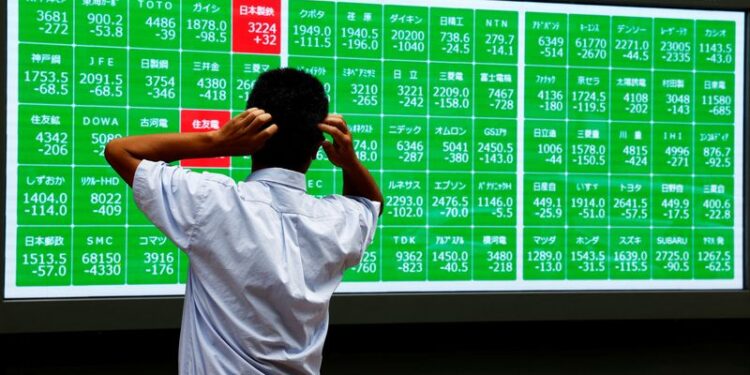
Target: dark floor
[(637, 347)]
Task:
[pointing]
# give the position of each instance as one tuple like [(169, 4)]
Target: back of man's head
[(297, 102)]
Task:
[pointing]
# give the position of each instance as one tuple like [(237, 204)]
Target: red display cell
[(192, 121), (256, 26)]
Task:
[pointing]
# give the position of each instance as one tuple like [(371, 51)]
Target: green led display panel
[(518, 146)]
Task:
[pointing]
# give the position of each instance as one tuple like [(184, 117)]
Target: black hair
[(297, 102)]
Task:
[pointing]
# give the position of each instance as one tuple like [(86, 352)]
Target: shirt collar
[(286, 177)]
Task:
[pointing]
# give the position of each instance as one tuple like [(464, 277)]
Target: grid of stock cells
[(629, 134), (605, 144)]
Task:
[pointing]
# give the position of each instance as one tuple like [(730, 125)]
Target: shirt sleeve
[(366, 213), (170, 197)]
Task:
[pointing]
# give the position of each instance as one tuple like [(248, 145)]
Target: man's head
[(297, 102)]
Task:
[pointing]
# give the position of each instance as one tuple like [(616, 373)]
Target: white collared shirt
[(265, 258)]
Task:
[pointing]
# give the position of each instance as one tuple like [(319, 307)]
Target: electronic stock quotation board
[(520, 146)]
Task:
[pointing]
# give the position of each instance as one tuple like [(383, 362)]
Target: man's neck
[(256, 166)]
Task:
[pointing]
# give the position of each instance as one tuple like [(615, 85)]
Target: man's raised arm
[(242, 135), (357, 179)]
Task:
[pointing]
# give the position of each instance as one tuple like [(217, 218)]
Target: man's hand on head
[(246, 133), (357, 179), (341, 151), (242, 135)]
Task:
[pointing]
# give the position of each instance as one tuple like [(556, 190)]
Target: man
[(265, 257)]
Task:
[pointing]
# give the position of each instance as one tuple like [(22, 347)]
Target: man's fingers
[(247, 117), (258, 122), (239, 118), (327, 147), (333, 131), (334, 118), (261, 138), (338, 122), (268, 132), (329, 118), (245, 113)]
